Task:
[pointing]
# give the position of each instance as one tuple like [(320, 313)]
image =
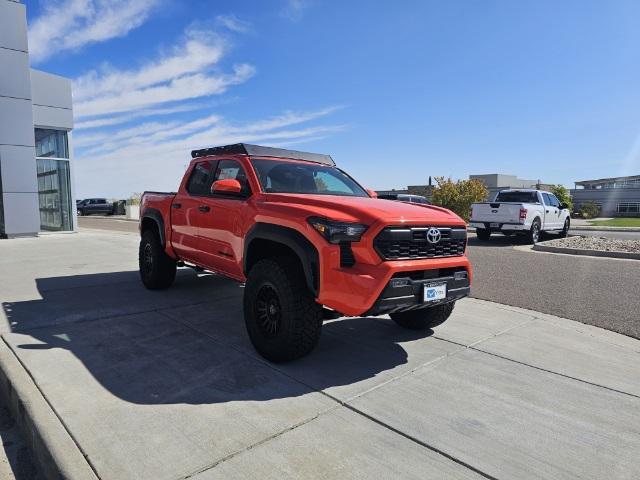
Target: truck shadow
[(187, 344)]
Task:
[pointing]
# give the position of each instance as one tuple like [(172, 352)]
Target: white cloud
[(294, 9), (186, 72), (154, 155), (128, 117), (233, 23), (72, 24)]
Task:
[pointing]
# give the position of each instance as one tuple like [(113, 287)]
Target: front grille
[(400, 243)]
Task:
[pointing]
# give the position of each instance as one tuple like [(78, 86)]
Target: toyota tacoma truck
[(308, 242), (525, 212)]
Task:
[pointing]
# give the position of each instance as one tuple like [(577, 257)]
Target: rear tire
[(483, 233), (423, 318), (533, 236), (157, 269), (282, 317)]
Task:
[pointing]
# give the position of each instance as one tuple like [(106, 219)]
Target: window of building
[(628, 207), (54, 180)]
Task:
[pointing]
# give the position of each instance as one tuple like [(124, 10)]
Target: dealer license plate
[(494, 225), (435, 291)]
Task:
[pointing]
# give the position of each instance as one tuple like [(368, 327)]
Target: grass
[(617, 222)]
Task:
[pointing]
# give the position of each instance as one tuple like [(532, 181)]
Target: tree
[(563, 195), (458, 196)]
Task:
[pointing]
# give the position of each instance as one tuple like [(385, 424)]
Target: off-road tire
[(423, 318), (534, 234), (291, 329), (157, 269), (565, 230), (483, 234)]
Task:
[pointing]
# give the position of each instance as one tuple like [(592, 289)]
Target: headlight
[(336, 232)]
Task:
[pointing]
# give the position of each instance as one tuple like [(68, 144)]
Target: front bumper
[(405, 292)]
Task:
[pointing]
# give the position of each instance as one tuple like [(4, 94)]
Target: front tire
[(282, 317), (565, 231), (483, 233), (157, 269), (423, 318)]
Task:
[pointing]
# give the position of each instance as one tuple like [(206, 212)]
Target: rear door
[(185, 212), (221, 221)]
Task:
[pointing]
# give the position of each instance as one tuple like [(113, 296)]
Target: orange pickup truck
[(307, 240)]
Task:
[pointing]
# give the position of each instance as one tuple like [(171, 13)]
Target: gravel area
[(597, 243)]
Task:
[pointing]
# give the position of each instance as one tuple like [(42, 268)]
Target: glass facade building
[(36, 120), (54, 180)]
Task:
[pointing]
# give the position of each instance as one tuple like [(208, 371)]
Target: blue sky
[(394, 91)]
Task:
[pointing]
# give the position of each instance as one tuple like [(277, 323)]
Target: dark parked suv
[(95, 205)]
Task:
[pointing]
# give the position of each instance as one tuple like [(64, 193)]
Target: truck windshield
[(311, 178), (517, 197)]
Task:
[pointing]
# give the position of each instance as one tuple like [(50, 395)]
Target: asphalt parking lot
[(165, 385), (596, 291)]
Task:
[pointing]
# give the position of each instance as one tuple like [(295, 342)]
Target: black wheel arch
[(267, 240), (151, 218)]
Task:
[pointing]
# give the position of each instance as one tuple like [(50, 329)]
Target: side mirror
[(564, 206), (228, 185), (372, 193)]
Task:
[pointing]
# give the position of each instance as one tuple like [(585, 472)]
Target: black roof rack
[(259, 151)]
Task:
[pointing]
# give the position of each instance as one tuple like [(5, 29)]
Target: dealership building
[(36, 119), (616, 197)]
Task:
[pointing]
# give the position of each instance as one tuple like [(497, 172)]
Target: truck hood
[(364, 209)]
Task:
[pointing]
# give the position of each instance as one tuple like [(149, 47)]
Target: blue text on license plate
[(434, 292)]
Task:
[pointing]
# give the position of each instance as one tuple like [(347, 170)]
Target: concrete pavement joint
[(258, 443), (555, 373), (342, 403)]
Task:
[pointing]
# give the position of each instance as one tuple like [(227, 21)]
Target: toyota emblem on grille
[(433, 235)]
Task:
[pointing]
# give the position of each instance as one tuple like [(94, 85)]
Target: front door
[(552, 212), (220, 222)]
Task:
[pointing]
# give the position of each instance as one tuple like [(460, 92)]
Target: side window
[(199, 181), (554, 200), (231, 169), (547, 200)]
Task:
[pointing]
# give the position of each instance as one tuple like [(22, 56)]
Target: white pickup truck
[(528, 212)]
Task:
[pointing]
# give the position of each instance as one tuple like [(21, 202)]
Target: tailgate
[(496, 212)]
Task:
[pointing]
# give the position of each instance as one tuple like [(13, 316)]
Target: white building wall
[(17, 143)]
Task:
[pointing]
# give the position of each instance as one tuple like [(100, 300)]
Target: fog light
[(399, 282), (462, 275)]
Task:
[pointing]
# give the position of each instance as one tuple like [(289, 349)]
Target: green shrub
[(458, 196), (590, 210)]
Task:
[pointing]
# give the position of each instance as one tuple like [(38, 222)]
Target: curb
[(110, 217), (605, 229), (591, 253), (54, 450)]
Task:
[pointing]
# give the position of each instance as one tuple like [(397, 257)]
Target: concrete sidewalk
[(165, 385)]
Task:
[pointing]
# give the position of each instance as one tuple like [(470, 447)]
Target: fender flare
[(155, 215), (296, 241)]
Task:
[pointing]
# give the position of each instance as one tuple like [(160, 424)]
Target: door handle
[(176, 205), (204, 208), (547, 211)]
